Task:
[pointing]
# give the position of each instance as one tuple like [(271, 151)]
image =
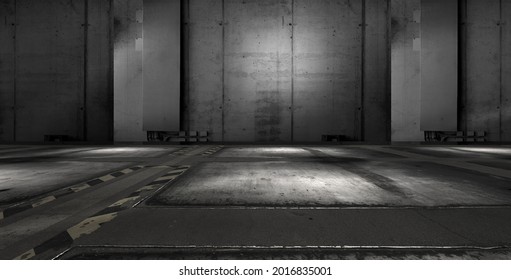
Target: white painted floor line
[(334, 247)]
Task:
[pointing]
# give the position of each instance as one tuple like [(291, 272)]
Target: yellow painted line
[(106, 178), (126, 171), (80, 187), (27, 255), (90, 225), (148, 188), (123, 201), (43, 201)]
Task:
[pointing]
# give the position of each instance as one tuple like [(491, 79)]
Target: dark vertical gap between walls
[(85, 66), (388, 85), (362, 73), (500, 71), (292, 70), (223, 70), (462, 64), (15, 38), (111, 70), (185, 68)]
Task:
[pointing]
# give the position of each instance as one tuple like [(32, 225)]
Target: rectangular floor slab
[(329, 177), (287, 227)]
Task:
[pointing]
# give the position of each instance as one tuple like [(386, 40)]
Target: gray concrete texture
[(295, 82), (287, 70), (405, 71), (320, 176), (484, 93), (302, 227), (439, 65), (162, 55), (31, 171), (127, 253), (57, 67), (411, 198), (205, 67), (7, 73), (128, 71), (49, 66)]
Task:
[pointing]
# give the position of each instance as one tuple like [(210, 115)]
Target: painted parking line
[(8, 212), (212, 150), (66, 238)]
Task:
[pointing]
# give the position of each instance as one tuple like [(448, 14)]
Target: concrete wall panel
[(327, 69), (257, 94), (128, 69), (99, 95), (376, 85), (205, 83), (439, 65), (50, 69), (482, 109), (506, 72), (405, 71), (7, 62), (162, 68)]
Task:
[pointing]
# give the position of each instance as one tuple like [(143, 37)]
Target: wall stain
[(117, 28), (395, 28), (267, 115)]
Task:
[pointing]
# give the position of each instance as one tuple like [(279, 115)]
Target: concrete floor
[(284, 202)]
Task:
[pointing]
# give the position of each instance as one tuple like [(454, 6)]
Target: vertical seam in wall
[(420, 66), (223, 70), (85, 66), (461, 64), (500, 71), (184, 65), (111, 70), (187, 78), (15, 45), (292, 69), (388, 74), (465, 64), (362, 72)]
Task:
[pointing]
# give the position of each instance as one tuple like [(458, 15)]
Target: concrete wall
[(7, 72), (484, 91), (254, 70), (439, 65), (128, 70), (328, 69), (376, 100), (506, 72), (406, 71), (162, 33), (486, 77), (257, 70), (204, 75), (99, 85), (50, 80), (287, 70)]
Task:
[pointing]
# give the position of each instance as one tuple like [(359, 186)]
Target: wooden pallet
[(178, 136), (455, 136)]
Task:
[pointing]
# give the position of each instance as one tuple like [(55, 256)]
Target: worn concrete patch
[(219, 253)]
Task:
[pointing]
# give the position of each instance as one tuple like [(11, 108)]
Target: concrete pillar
[(439, 65), (162, 34)]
